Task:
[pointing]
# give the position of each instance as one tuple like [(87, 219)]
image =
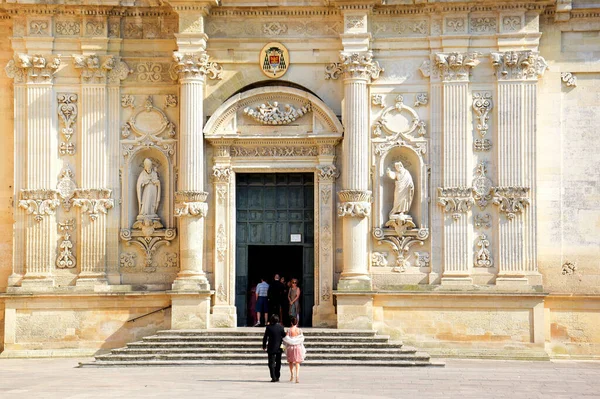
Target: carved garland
[(271, 114)]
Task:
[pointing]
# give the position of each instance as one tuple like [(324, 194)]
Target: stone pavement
[(59, 378)]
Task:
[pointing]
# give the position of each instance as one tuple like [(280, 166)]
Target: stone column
[(224, 311), (455, 149), (191, 207), (517, 73), (324, 311), (39, 199), (93, 198)]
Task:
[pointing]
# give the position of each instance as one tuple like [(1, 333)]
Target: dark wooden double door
[(274, 234)]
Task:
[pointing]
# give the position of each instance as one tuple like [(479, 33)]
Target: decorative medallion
[(274, 60)]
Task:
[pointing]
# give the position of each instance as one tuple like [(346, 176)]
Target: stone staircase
[(242, 346)]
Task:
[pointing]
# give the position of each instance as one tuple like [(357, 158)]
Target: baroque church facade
[(426, 169)]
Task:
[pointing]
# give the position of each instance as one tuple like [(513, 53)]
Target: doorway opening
[(264, 261)]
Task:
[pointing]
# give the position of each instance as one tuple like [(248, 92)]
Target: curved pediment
[(273, 112)]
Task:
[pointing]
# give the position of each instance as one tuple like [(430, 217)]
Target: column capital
[(354, 203), (35, 68), (100, 70), (327, 173), (455, 200), (191, 203), (39, 202), (93, 201), (221, 174), (194, 66), (450, 67), (358, 65), (519, 65)]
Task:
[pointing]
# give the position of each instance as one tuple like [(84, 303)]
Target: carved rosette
[(39, 202), (191, 203), (194, 65), (355, 66), (354, 203), (32, 68), (511, 200), (93, 201), (519, 65), (222, 174), (327, 173), (455, 200)]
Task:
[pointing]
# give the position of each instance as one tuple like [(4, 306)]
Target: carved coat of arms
[(275, 60)]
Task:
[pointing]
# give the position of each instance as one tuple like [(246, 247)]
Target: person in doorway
[(294, 300), (285, 320), (262, 302), (295, 351), (272, 340), (275, 290), (252, 305)]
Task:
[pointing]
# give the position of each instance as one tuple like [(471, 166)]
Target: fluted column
[(517, 73), (94, 198), (38, 198), (327, 173), (191, 206), (454, 196), (358, 70)]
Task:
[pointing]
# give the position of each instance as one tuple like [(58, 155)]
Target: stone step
[(214, 338), (257, 344), (261, 357), (312, 350), (262, 363), (259, 331)]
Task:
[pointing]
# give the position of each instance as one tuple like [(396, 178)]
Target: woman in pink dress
[(295, 351)]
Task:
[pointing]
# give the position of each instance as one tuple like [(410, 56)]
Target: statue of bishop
[(404, 190)]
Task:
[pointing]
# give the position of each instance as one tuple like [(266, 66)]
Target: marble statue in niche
[(404, 191), (148, 195)]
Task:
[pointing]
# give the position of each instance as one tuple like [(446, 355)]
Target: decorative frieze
[(222, 174), (194, 65), (292, 27), (32, 68), (39, 28), (191, 203), (519, 65), (327, 173), (66, 259), (402, 27), (483, 25), (67, 113), (456, 25), (568, 79), (455, 200), (274, 151), (93, 201), (355, 66), (39, 202), (511, 23), (483, 257), (67, 28), (271, 114), (511, 200)]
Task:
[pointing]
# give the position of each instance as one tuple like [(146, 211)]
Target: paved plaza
[(59, 378)]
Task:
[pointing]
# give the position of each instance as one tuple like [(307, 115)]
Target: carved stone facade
[(447, 157)]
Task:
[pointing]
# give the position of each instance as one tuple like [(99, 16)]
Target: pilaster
[(517, 73)]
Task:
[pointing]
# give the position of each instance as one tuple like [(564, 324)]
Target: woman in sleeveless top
[(295, 351), (294, 300)]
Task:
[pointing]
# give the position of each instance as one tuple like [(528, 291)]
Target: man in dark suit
[(275, 294), (272, 341)]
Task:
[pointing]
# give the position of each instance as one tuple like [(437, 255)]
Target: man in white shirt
[(262, 302)]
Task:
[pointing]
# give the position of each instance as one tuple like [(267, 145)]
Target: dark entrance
[(274, 234)]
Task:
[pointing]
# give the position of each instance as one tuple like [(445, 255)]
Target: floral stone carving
[(511, 200), (482, 105), (148, 243), (354, 66), (67, 113), (66, 258), (39, 202), (455, 66), (455, 200), (94, 201), (271, 114), (401, 244), (519, 65), (483, 257), (379, 259), (327, 172), (93, 70), (191, 203), (194, 65), (33, 68)]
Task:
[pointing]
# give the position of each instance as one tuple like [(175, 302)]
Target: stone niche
[(149, 254)]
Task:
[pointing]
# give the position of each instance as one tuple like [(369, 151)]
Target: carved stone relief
[(32, 68), (221, 243), (423, 259), (482, 186), (39, 202), (188, 65), (326, 240), (325, 292), (379, 259), (271, 114), (191, 203), (568, 269), (95, 69), (354, 203), (66, 187), (296, 27), (327, 172), (127, 260), (483, 221), (483, 257), (274, 151), (455, 200), (455, 25), (66, 259), (421, 99), (354, 66), (511, 200), (93, 201), (518, 65), (67, 112), (511, 23), (568, 79), (377, 100), (482, 105), (402, 27), (39, 28), (483, 25)]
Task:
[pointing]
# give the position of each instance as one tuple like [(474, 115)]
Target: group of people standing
[(277, 298)]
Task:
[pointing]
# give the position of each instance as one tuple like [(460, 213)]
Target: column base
[(190, 310), (512, 282), (91, 280), (324, 316), (355, 283), (354, 311), (223, 316), (36, 284), (14, 280), (190, 284)]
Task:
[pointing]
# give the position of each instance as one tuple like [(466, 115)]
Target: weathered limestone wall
[(80, 325)]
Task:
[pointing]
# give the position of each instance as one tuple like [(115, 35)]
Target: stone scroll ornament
[(482, 105), (271, 114), (66, 259), (483, 257), (67, 113)]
